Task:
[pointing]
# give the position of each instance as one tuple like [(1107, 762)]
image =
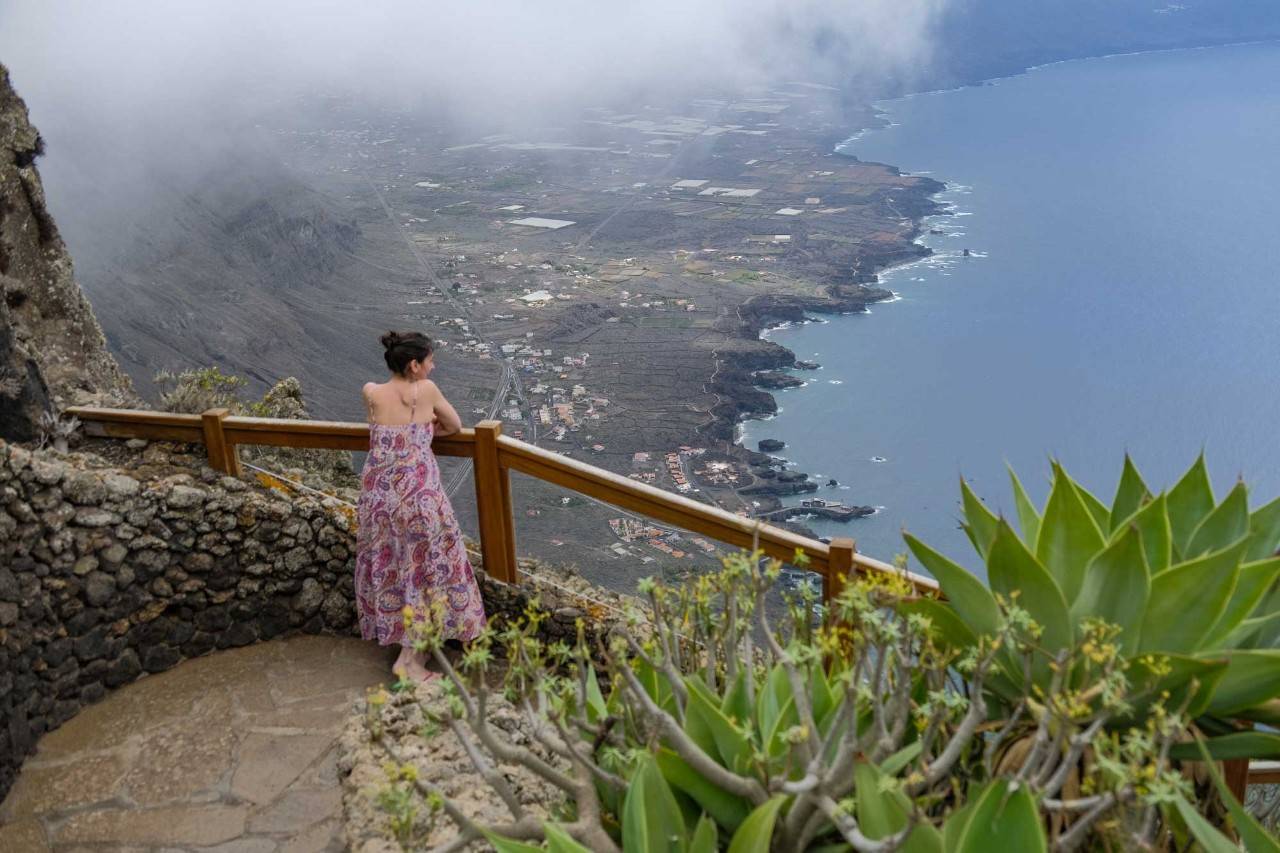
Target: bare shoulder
[(429, 387), (369, 389)]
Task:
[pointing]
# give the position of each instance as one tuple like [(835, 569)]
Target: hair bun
[(391, 339)]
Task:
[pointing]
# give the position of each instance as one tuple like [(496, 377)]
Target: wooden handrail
[(496, 456)]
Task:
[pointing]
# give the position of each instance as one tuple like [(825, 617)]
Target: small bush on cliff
[(198, 390), (704, 727)]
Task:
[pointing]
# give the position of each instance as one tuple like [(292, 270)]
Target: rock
[(769, 445), (9, 589), (184, 497), (114, 554), (125, 669), (84, 488), (95, 517), (337, 610), (8, 614), (160, 658), (309, 599), (136, 443), (99, 588), (120, 486)]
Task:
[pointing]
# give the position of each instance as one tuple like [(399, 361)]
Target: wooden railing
[(495, 456)]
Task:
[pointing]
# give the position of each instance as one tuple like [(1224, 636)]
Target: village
[(586, 283)]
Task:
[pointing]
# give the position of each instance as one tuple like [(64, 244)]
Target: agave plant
[(1189, 583)]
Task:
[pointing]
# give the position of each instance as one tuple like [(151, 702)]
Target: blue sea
[(1121, 293)]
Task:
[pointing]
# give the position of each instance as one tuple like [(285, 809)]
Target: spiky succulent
[(1190, 583)]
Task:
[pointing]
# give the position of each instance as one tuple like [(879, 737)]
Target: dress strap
[(413, 405)]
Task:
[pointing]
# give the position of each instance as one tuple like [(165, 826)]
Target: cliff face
[(52, 351)]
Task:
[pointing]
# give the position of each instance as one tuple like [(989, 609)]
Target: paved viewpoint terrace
[(236, 751)]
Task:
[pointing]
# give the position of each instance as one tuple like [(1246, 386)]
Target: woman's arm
[(447, 420)]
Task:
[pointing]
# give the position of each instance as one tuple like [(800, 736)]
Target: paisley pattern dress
[(409, 550)]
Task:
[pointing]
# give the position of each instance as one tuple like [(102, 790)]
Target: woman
[(409, 550)]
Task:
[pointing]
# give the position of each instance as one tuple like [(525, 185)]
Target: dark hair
[(404, 347)]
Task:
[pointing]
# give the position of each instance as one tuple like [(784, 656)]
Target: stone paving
[(235, 753)]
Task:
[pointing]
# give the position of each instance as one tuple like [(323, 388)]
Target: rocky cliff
[(52, 351)]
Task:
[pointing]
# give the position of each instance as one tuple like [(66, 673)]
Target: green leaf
[(1013, 570), (731, 744), (1069, 536), (651, 818), (996, 819), (1255, 837), (770, 699), (879, 813), (821, 697), (1101, 512), (1152, 522), (705, 837), (596, 708), (1152, 675), (1252, 745), (1229, 522), (559, 841), (729, 810), (756, 833), (1252, 677), (1264, 532), (944, 624), (735, 705), (1260, 632), (1252, 584), (1130, 494), (968, 596), (1190, 500), (1188, 599), (508, 845), (1116, 588), (1028, 518), (900, 759), (1210, 838), (980, 522)]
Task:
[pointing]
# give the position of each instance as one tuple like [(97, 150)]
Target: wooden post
[(493, 500), (839, 566), (1235, 773), (222, 456)]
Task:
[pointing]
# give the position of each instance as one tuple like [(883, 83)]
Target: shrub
[(701, 726), (1189, 584)]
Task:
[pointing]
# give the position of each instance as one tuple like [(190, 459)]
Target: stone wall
[(108, 572)]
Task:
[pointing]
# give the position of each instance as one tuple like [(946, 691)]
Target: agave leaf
[(1255, 837), (1252, 584), (1262, 746), (1264, 532), (1188, 599), (1267, 713), (771, 698), (1209, 837), (969, 597), (1130, 494), (559, 841), (756, 833), (735, 704), (1028, 518), (821, 697), (596, 709), (1190, 500), (996, 819), (1228, 523), (1257, 633), (696, 724), (980, 522), (787, 717), (705, 837), (729, 810), (1252, 677), (651, 817), (1069, 536), (732, 746), (1101, 512), (1152, 676), (507, 845), (1116, 588), (879, 812), (1014, 570), (1152, 522), (944, 624), (900, 759)]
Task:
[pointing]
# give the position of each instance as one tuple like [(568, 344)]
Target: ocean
[(1120, 294)]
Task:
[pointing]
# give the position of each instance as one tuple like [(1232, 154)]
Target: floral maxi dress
[(409, 550)]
